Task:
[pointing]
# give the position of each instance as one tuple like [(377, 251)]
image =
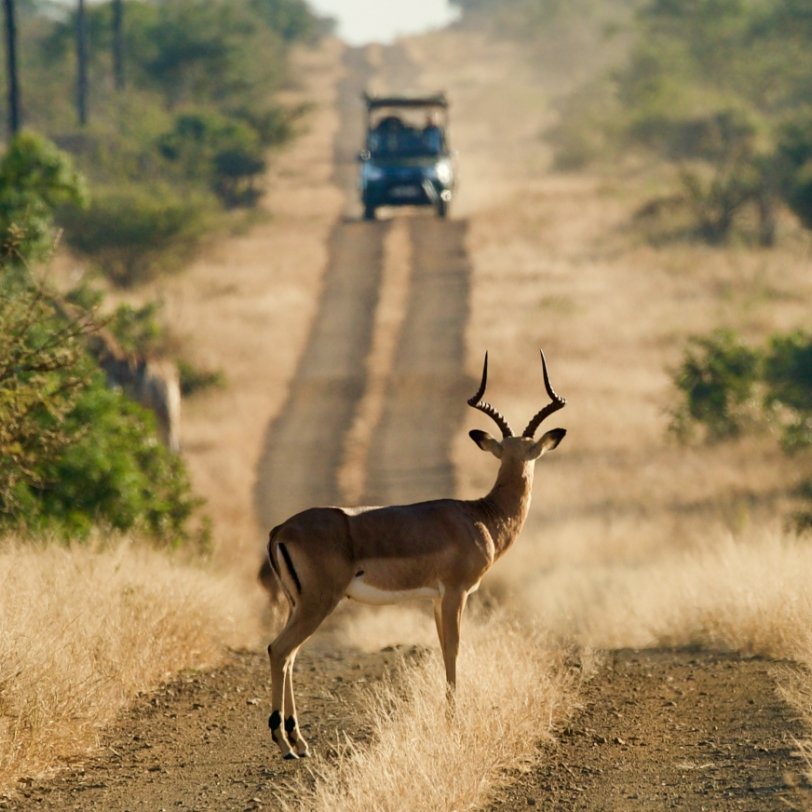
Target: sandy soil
[(347, 362)]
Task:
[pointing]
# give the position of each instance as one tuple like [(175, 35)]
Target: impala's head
[(525, 448)]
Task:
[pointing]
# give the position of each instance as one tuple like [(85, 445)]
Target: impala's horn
[(477, 403), (557, 402)]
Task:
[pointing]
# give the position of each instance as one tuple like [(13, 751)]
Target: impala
[(381, 555)]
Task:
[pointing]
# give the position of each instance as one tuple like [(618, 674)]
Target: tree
[(81, 63), (14, 119), (707, 86), (119, 77), (795, 162)]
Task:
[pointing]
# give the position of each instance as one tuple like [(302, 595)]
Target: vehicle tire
[(369, 211)]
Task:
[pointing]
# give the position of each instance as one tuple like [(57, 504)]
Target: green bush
[(193, 379), (223, 152), (42, 370), (133, 233), (795, 160), (788, 375), (799, 196), (273, 125), (716, 382), (75, 454), (114, 474), (723, 385), (35, 177)]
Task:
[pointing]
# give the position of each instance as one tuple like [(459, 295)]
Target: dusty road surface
[(372, 410), (666, 729)]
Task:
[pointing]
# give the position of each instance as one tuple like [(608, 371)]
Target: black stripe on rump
[(271, 558), (289, 565)]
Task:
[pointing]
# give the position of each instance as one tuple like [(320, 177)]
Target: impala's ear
[(548, 442), (486, 442)]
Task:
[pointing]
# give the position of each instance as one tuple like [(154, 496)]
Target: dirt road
[(377, 398)]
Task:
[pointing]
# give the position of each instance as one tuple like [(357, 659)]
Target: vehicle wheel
[(369, 212), (442, 208)]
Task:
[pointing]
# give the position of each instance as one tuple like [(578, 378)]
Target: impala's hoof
[(290, 756)]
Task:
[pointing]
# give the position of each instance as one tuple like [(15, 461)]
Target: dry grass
[(514, 687), (86, 629), (748, 593)]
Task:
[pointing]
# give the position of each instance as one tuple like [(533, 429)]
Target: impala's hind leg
[(294, 735), (305, 618)]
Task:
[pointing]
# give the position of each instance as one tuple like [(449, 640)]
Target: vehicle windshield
[(393, 138)]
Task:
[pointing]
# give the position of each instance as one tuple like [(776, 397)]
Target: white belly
[(360, 591)]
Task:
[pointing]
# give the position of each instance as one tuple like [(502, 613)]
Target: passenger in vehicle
[(432, 135), (386, 136)]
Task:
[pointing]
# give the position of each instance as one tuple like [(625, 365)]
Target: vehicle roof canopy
[(431, 100)]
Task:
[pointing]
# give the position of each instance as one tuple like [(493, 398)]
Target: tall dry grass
[(514, 686), (84, 629), (748, 593)]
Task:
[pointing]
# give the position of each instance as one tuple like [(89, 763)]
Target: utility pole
[(14, 117), (81, 63), (119, 78)]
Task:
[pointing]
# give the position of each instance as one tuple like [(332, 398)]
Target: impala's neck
[(507, 504)]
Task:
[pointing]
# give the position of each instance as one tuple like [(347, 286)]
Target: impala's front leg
[(451, 609)]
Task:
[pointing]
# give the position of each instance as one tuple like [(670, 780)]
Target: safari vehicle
[(406, 160)]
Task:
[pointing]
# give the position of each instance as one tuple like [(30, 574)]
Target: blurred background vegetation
[(716, 89), (134, 129), (711, 99), (154, 122)]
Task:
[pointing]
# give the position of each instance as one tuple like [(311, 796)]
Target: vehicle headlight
[(442, 172), (372, 172)]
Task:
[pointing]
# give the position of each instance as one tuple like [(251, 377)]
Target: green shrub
[(223, 152), (716, 382), (788, 375), (275, 124), (193, 379), (114, 474), (75, 454), (35, 177), (723, 385), (42, 370), (133, 233), (799, 194)]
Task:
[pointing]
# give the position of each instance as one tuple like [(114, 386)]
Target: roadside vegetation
[(129, 151), (518, 685), (168, 109), (88, 627)]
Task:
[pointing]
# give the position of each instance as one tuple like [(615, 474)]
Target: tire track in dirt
[(410, 455), (425, 400), (305, 443)]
